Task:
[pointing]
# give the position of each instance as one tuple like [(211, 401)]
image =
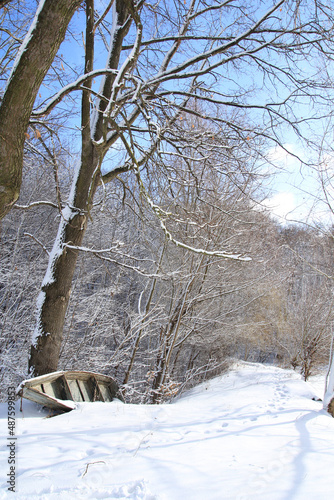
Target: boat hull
[(61, 390)]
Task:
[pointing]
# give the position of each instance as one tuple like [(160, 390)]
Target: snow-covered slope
[(254, 433)]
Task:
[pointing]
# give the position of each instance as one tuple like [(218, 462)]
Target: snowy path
[(254, 433)]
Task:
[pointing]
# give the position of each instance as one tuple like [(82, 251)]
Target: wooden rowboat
[(60, 390)]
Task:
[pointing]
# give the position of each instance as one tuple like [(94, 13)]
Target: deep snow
[(254, 432)]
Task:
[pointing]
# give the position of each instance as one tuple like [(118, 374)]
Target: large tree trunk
[(33, 61), (56, 288)]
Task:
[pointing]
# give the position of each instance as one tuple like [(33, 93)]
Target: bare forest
[(136, 143)]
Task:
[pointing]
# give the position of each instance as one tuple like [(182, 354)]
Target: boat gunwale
[(28, 389)]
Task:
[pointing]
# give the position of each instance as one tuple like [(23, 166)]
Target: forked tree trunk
[(56, 288)]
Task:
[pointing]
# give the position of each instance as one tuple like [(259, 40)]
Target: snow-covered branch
[(77, 85), (36, 204), (100, 254)]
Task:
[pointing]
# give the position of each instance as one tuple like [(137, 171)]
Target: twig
[(37, 241), (92, 463)]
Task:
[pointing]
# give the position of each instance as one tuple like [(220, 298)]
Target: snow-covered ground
[(253, 433)]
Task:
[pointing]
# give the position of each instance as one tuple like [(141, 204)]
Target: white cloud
[(285, 206), (297, 190), (281, 204), (294, 186)]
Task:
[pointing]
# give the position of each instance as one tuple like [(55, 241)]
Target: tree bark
[(33, 61), (56, 288)]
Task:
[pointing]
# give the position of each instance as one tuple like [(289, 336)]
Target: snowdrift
[(253, 433)]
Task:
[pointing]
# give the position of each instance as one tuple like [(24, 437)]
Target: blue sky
[(294, 189)]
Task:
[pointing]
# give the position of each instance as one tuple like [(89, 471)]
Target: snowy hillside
[(252, 433)]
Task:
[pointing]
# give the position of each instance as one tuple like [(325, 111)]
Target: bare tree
[(160, 79)]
